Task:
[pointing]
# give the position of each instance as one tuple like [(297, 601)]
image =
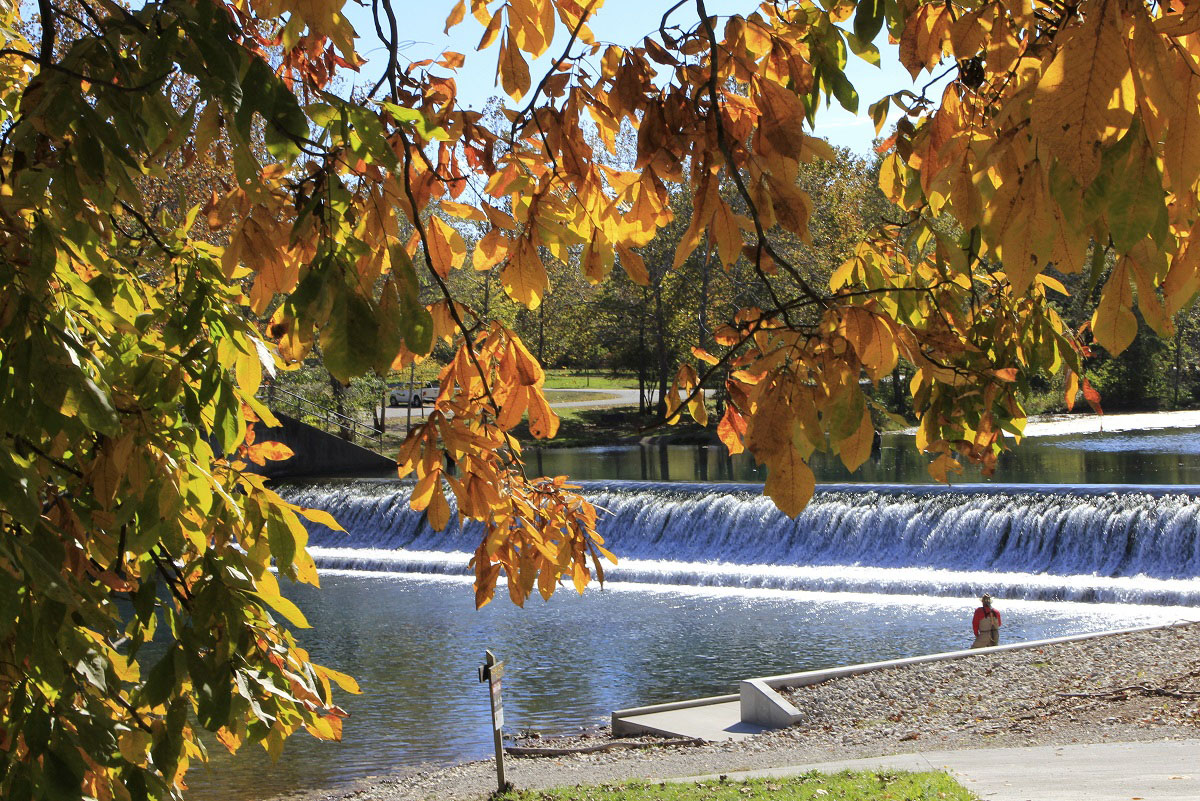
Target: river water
[(715, 585), (1169, 456)]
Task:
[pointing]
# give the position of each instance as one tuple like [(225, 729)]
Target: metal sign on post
[(491, 671)]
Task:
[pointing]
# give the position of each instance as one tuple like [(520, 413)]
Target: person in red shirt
[(986, 624)]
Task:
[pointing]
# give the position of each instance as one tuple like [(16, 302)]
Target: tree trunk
[(542, 333), (642, 358), (487, 294), (702, 327), (1178, 362), (339, 403), (702, 312), (661, 335), (380, 414)]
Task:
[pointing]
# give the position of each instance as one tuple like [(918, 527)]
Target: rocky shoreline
[(1121, 688)]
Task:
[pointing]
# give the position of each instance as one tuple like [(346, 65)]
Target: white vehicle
[(420, 395)]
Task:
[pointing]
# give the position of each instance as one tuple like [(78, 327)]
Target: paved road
[(612, 397), (1162, 771)]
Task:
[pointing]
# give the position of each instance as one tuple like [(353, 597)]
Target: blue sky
[(622, 22)]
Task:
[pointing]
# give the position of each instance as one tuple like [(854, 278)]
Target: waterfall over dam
[(1077, 543)]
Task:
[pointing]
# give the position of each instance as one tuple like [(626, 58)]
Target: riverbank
[(588, 427), (1142, 686)]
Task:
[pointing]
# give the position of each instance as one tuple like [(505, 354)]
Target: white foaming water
[(1093, 544), (1060, 425), (1067, 424)]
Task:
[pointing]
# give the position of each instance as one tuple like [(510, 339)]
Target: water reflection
[(1162, 457)]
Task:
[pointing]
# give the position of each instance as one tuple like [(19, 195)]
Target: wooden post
[(491, 671)]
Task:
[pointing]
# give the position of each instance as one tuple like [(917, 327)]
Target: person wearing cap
[(986, 624)]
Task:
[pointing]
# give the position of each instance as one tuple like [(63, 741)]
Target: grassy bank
[(569, 379), (847, 786)]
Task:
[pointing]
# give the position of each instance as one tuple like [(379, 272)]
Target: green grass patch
[(569, 379), (846, 786)]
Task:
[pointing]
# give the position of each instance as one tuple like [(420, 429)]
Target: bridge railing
[(328, 420)]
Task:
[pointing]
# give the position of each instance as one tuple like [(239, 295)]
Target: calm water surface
[(414, 644), (1169, 456)]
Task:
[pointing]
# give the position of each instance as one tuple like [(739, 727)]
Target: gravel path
[(1122, 688)]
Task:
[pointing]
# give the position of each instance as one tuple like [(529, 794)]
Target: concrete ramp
[(713, 719)]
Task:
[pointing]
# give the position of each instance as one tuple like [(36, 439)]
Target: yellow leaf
[(249, 372), (688, 380), (328, 727), (1153, 68), (134, 745), (771, 419), (843, 275), (306, 568), (1113, 323), (319, 516), (524, 277), (528, 26), (267, 590), (1085, 99), (781, 108), (513, 408), (512, 70), (926, 34), (597, 261), (446, 248), (634, 266), (1009, 224), (425, 489), (491, 26), (790, 482), (462, 211), (793, 207), (342, 680), (499, 218), (728, 233), (941, 467), (580, 577), (275, 451), (490, 251), (1072, 389), (1006, 374), (456, 15), (871, 339), (1148, 265), (438, 512), (855, 449), (1183, 277), (529, 371), (543, 423), (1181, 150), (731, 429)]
